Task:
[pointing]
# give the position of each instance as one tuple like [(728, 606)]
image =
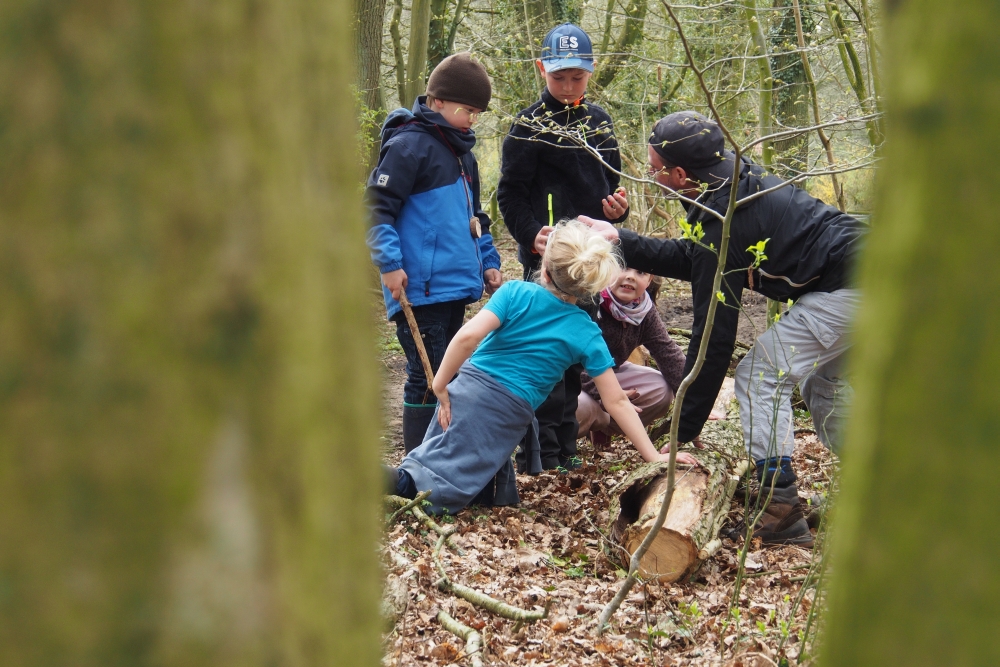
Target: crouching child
[(508, 358)]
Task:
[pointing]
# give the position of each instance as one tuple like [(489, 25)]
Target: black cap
[(459, 78), (689, 140)]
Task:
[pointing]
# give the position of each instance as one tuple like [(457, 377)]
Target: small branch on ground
[(408, 505), (481, 599), (473, 640)]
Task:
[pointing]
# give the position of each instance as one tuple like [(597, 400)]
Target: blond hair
[(578, 261)]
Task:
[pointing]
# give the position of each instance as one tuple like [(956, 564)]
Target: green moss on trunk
[(188, 469)]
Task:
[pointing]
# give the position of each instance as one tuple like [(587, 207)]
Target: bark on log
[(698, 510)]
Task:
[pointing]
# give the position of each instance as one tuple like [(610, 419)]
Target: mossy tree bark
[(368, 39), (915, 552), (188, 393)]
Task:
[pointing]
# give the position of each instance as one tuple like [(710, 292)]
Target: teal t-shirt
[(539, 337)]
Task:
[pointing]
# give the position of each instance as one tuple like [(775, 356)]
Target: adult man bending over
[(809, 249)]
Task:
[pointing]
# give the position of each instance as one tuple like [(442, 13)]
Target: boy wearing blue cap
[(546, 175)]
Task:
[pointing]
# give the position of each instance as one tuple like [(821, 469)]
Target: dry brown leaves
[(550, 548)]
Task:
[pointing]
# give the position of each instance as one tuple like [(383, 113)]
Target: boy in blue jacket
[(429, 234)]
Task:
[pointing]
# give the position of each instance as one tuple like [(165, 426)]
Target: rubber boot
[(415, 423)]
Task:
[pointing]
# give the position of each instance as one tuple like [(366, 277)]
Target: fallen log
[(699, 507)]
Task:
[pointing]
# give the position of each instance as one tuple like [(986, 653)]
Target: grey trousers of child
[(806, 348)]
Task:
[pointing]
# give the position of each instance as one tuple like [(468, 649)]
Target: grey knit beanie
[(459, 78)]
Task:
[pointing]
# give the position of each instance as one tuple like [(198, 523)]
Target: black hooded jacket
[(810, 247), (536, 163)]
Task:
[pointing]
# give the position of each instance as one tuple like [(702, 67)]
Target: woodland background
[(760, 78), (189, 399)]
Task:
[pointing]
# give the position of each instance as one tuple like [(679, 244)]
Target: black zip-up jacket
[(810, 249), (536, 163)]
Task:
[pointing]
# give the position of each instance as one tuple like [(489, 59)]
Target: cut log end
[(669, 558), (698, 508)]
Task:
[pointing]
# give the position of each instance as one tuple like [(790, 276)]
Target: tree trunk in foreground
[(697, 511), (188, 393), (915, 536)]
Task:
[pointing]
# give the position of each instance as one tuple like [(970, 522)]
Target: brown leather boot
[(783, 521)]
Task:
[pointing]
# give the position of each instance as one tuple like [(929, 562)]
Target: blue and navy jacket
[(420, 205)]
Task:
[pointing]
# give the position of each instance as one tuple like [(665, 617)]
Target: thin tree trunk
[(791, 95), (416, 65), (915, 580), (631, 35), (852, 68), (397, 52), (838, 189), (371, 16), (765, 79), (460, 6), (437, 34), (188, 423)]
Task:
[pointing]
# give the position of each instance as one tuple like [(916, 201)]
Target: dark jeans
[(438, 324), (557, 425)]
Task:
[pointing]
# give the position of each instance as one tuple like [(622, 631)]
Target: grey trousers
[(806, 348), (654, 399)]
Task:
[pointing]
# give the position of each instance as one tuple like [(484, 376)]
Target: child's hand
[(493, 279), (396, 281), (541, 239), (682, 457), (444, 408), (615, 204)]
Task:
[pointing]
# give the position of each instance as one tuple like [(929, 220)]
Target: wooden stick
[(473, 640), (412, 321)]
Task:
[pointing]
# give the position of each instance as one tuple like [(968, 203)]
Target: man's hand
[(493, 279), (542, 238), (605, 229), (615, 204), (395, 281)]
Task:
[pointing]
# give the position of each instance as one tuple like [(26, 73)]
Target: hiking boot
[(783, 521)]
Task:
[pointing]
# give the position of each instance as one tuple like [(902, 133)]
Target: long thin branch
[(661, 516), (481, 599)]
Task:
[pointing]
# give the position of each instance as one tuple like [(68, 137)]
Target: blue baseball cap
[(567, 46)]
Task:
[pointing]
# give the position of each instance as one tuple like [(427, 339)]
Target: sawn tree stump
[(698, 509)]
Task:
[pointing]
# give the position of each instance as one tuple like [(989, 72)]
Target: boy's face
[(460, 116), (566, 85)]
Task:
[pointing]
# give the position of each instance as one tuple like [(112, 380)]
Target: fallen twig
[(411, 504), (481, 599), (425, 519), (473, 640)]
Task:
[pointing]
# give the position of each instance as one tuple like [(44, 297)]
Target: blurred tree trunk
[(791, 94), (416, 64), (371, 17), (915, 552), (188, 393)]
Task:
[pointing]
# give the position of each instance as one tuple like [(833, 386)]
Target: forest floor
[(550, 550)]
